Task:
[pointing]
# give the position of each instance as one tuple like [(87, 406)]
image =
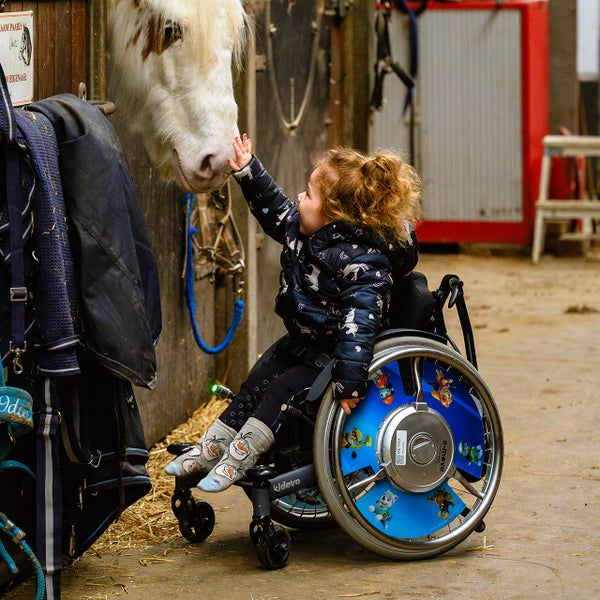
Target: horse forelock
[(202, 25), (136, 49)]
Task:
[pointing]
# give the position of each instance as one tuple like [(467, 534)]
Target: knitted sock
[(203, 456), (253, 439)]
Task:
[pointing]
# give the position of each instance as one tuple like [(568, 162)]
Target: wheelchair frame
[(418, 461)]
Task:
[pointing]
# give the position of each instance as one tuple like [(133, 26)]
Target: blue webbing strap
[(238, 307)]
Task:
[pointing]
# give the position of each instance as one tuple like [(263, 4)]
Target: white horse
[(171, 73)]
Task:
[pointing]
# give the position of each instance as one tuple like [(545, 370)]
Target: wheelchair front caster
[(196, 519), (273, 543)]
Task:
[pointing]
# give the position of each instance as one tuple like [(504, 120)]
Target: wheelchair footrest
[(179, 448)]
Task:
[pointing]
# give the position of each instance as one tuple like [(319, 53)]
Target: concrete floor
[(537, 331)]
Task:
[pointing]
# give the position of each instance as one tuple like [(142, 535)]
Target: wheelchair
[(409, 474)]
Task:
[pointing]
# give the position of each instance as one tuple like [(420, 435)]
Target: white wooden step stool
[(546, 208)]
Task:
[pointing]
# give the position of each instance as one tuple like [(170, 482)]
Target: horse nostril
[(206, 165)]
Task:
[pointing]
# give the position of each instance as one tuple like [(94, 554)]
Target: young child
[(339, 240)]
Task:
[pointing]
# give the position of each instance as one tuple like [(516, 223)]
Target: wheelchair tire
[(415, 467)]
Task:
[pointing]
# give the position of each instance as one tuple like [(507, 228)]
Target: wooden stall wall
[(184, 371), (69, 40), (292, 109), (311, 93), (60, 44)]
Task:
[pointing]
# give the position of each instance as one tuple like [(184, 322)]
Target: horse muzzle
[(209, 173)]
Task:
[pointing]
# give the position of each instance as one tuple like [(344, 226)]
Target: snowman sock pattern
[(253, 439), (203, 456)]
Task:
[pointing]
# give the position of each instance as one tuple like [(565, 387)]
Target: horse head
[(171, 73)]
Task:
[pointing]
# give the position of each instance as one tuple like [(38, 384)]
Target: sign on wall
[(16, 54)]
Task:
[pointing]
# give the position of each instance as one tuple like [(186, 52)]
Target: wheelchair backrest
[(412, 303), (413, 306)]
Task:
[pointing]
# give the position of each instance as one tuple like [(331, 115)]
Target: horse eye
[(172, 31)]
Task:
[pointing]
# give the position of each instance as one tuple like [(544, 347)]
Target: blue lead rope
[(238, 306), (18, 537)]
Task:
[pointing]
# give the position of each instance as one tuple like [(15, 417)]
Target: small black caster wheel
[(196, 520), (180, 500), (480, 527), (273, 546)]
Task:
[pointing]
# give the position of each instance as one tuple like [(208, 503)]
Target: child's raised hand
[(242, 148)]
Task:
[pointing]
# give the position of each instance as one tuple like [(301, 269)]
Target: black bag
[(103, 467)]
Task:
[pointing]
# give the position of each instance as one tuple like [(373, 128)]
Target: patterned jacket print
[(334, 284)]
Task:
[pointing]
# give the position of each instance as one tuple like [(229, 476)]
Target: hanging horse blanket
[(90, 320), (118, 275)]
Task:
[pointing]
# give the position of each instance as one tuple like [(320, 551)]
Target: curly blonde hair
[(381, 193)]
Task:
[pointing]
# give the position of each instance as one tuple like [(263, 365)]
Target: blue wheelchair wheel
[(415, 467)]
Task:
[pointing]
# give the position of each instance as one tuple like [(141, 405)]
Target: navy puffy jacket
[(334, 284)]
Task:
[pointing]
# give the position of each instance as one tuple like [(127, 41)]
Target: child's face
[(309, 207)]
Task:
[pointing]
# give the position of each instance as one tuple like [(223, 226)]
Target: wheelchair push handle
[(451, 289), (456, 290)]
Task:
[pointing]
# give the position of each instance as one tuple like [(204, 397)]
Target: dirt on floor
[(537, 330)]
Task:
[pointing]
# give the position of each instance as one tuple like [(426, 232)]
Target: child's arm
[(363, 290), (266, 199)]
